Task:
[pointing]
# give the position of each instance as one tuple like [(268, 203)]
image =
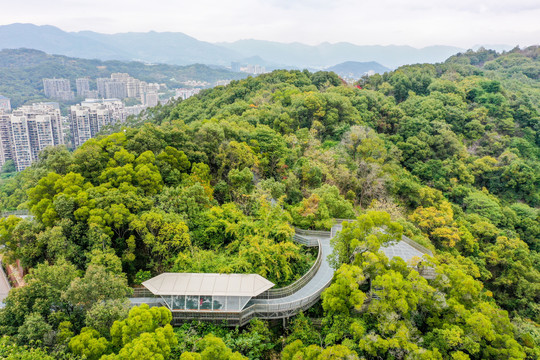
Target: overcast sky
[(463, 23)]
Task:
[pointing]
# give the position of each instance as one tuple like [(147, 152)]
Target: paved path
[(4, 285), (309, 294), (317, 284)]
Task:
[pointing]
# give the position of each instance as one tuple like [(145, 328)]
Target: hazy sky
[(418, 23)]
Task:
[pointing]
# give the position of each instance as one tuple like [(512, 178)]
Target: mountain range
[(180, 49)]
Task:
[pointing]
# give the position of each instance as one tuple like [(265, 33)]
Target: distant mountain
[(165, 47), (52, 40), (355, 69), (181, 49), (326, 54), (170, 48), (22, 71)]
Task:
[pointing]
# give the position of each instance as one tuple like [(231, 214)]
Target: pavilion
[(188, 292)]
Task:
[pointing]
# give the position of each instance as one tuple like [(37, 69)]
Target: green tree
[(96, 286), (33, 330), (102, 315), (212, 348), (141, 319), (367, 233), (89, 344)]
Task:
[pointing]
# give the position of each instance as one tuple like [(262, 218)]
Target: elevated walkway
[(288, 301), (23, 214)]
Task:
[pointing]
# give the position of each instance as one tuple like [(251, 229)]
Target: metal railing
[(279, 310), (298, 284), (312, 232), (261, 311), (309, 242), (14, 213), (416, 245), (404, 238), (142, 293)]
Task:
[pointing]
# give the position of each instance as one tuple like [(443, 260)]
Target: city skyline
[(416, 23)]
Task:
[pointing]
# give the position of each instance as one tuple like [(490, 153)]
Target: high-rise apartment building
[(27, 131), (121, 85), (83, 86), (5, 138), (132, 87), (150, 98), (5, 104), (115, 89), (49, 112), (100, 83), (58, 89), (87, 119), (20, 135), (235, 66)]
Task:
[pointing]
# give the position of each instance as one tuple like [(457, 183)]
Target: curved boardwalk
[(319, 282), (274, 303), (287, 302), (304, 297)]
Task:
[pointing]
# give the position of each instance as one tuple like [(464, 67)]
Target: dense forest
[(447, 154), (22, 72)]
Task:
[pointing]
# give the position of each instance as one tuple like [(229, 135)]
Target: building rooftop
[(403, 250), (208, 284)]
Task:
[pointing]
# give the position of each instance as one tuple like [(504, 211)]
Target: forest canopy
[(447, 154)]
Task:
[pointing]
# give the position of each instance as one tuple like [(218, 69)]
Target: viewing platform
[(236, 299)]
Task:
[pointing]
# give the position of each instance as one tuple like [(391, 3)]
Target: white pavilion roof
[(208, 284)]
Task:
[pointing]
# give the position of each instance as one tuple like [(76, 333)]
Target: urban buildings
[(121, 86), (254, 69), (100, 83), (5, 104), (88, 118), (222, 82), (196, 83), (184, 93), (150, 98), (83, 86), (5, 138), (27, 131), (115, 90), (249, 68), (58, 89), (235, 66)]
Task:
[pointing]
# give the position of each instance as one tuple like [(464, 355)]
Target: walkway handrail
[(404, 238), (14, 212), (305, 241), (265, 310), (416, 245), (298, 284), (312, 232), (298, 296), (142, 292)]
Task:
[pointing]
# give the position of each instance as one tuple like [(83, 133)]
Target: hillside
[(446, 154), (22, 71), (355, 69)]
